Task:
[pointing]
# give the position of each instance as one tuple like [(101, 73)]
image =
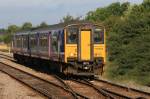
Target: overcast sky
[(51, 11)]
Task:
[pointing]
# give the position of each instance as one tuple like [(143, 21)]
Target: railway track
[(46, 88), (8, 57), (111, 94), (55, 81), (90, 89), (56, 88), (114, 91), (60, 83), (120, 90), (77, 93)]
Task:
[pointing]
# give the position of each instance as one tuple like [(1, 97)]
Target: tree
[(43, 24), (27, 26), (129, 45), (102, 14), (146, 5), (9, 32), (7, 38), (12, 29), (1, 38), (124, 7), (69, 18), (91, 16), (3, 30), (128, 40)]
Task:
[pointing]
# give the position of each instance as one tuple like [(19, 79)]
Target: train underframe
[(85, 68), (82, 68)]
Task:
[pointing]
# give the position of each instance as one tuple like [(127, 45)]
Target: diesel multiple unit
[(77, 49)]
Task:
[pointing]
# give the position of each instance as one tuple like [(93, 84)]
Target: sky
[(49, 11)]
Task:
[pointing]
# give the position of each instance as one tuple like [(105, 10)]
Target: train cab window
[(54, 41), (98, 36), (72, 35)]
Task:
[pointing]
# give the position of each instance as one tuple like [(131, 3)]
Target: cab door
[(85, 45)]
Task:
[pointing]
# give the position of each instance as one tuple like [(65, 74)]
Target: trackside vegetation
[(128, 40), (7, 37)]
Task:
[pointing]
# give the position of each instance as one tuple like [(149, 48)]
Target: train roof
[(59, 26)]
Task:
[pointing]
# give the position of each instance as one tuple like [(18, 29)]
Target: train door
[(85, 45)]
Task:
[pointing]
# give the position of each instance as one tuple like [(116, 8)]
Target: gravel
[(12, 89)]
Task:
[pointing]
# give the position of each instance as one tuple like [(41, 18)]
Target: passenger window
[(98, 36), (19, 41), (72, 35), (55, 42), (33, 42), (24, 40), (43, 42)]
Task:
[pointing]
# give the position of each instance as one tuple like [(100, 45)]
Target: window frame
[(40, 44), (25, 41), (77, 34), (19, 39), (34, 48), (103, 34), (52, 40)]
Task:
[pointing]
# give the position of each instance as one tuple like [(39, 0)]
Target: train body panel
[(80, 46), (70, 51), (99, 52)]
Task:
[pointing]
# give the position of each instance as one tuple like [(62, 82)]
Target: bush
[(128, 40)]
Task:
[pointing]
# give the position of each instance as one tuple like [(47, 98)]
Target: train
[(76, 48)]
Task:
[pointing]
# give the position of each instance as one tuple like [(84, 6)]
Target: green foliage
[(68, 18), (129, 46), (128, 40), (3, 30), (43, 24), (12, 29), (27, 26), (146, 5), (102, 14), (1, 38), (7, 38)]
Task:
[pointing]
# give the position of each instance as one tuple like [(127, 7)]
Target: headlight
[(71, 54)]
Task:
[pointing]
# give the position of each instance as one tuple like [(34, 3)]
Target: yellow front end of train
[(85, 49)]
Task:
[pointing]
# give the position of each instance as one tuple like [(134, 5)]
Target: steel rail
[(122, 86), (100, 91), (76, 94), (111, 93), (34, 87)]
